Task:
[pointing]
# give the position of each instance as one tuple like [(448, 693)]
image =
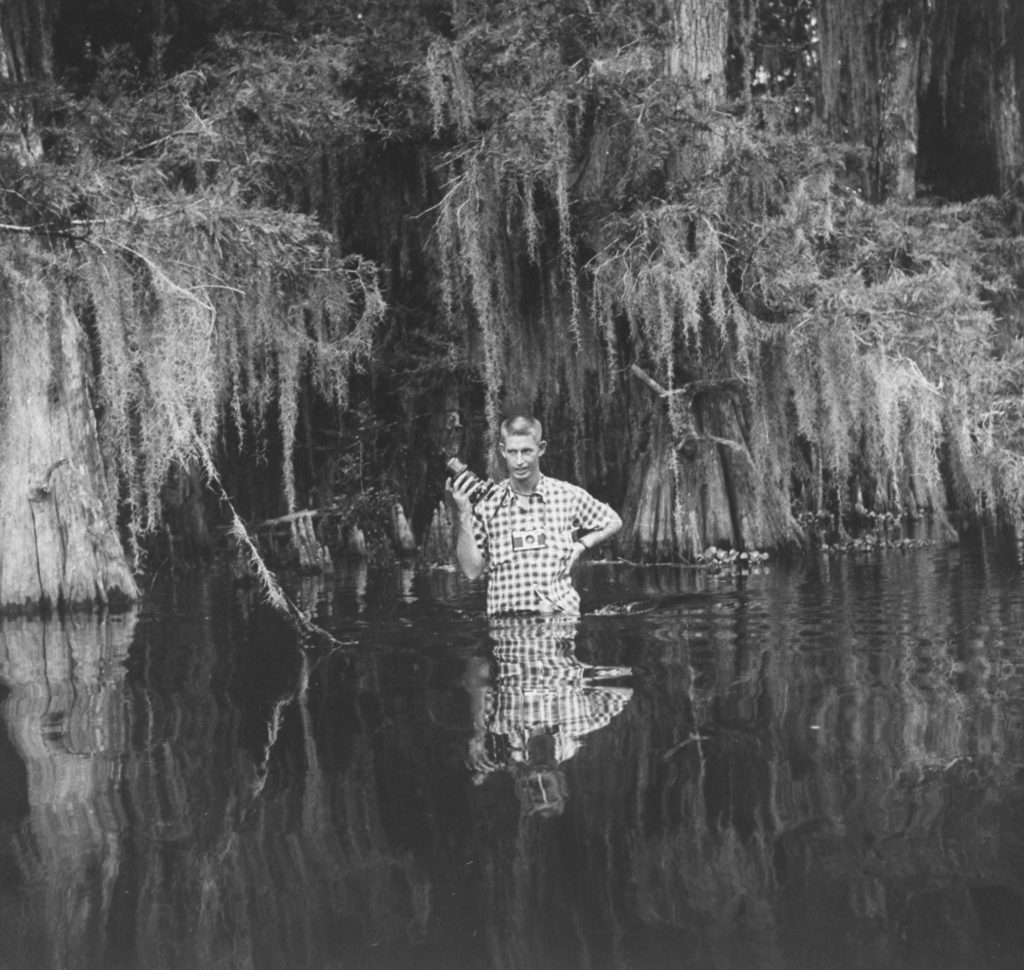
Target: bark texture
[(59, 546), (26, 55), (871, 66), (700, 30), (679, 494), (1006, 91)]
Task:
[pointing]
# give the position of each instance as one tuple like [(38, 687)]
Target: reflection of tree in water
[(64, 718), (829, 780), (173, 809), (533, 702), (252, 846), (807, 779)]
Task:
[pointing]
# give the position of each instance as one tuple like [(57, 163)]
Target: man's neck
[(529, 490)]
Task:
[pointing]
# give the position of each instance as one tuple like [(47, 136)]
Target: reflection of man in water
[(532, 703)]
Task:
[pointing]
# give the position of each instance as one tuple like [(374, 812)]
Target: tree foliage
[(864, 333), (158, 209), (546, 205)]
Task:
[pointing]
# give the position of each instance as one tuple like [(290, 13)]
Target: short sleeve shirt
[(526, 544)]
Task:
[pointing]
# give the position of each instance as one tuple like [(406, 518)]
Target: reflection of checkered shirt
[(520, 579), (539, 684)]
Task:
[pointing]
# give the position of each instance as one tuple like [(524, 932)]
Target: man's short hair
[(521, 424)]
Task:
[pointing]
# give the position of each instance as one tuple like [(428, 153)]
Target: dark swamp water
[(817, 765)]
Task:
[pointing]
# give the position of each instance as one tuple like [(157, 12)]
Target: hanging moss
[(888, 361), (227, 320), (592, 211), (727, 249), (204, 311), (503, 206)]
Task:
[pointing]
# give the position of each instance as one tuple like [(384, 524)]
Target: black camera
[(480, 488)]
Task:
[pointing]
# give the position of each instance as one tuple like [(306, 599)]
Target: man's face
[(522, 453)]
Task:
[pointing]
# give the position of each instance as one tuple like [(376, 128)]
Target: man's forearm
[(466, 550), (591, 539)]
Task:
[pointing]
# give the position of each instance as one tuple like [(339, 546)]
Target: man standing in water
[(530, 531)]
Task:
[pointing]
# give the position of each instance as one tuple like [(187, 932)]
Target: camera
[(528, 539), (480, 488)]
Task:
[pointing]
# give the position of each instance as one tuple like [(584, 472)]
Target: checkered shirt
[(524, 574), (539, 683)]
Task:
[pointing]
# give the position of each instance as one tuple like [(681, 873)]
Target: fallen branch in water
[(272, 591)]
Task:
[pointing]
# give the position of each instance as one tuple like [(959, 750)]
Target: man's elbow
[(615, 524), (471, 568)]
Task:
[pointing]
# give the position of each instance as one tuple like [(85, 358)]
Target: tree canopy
[(303, 232)]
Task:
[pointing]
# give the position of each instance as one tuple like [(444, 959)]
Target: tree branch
[(680, 401), (691, 388), (47, 229)]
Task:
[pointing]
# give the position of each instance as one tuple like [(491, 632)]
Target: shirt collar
[(541, 489)]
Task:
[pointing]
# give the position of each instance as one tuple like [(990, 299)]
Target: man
[(530, 531)]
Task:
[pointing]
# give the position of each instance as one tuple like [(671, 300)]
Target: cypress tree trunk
[(26, 54), (898, 89), (698, 49), (59, 545), (972, 130), (697, 56), (690, 485), (1006, 90), (871, 54), (678, 496)]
